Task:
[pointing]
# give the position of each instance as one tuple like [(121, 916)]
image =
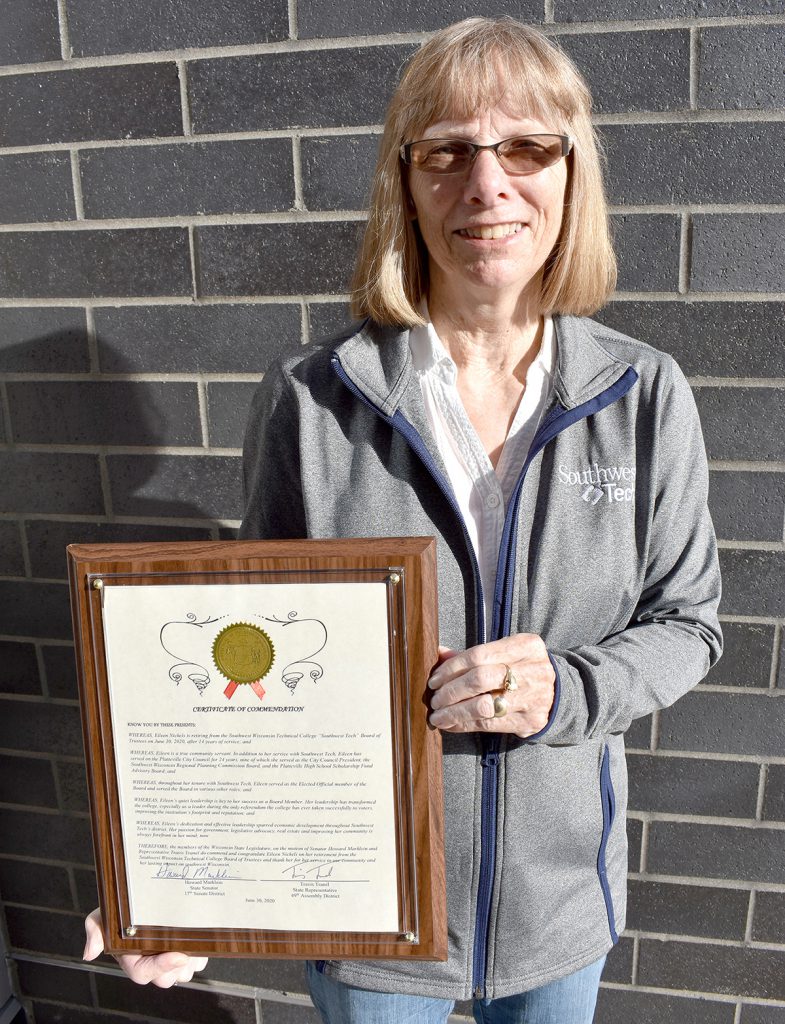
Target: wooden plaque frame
[(408, 567)]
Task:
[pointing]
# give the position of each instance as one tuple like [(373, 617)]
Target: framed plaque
[(263, 781)]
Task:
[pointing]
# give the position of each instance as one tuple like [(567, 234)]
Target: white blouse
[(482, 493)]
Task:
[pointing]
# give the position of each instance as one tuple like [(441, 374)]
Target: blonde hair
[(462, 71)]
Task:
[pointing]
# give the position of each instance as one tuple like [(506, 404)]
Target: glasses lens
[(530, 153), (441, 156)]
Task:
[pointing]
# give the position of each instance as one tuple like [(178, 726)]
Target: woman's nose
[(486, 179)]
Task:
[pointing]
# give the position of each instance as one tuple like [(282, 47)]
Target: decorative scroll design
[(294, 671), (200, 677)]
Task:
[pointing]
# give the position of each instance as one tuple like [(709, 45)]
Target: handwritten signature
[(195, 871), (310, 869)]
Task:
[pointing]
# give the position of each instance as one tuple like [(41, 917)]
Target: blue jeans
[(569, 1000)]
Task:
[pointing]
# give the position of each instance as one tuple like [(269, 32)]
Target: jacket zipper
[(557, 421), (400, 424)]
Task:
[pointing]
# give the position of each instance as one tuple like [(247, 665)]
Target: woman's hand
[(163, 969), (465, 684)]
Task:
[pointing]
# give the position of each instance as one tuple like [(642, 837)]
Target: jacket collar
[(378, 361)]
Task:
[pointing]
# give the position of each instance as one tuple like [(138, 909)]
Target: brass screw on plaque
[(130, 931), (409, 937), (98, 584), (394, 578)]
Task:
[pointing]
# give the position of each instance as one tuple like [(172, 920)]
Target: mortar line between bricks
[(297, 171), (65, 38), (121, 1015), (655, 731), (25, 549), (711, 820), (302, 215), (702, 755), (685, 237), (644, 847), (91, 979), (64, 517), (193, 255), (201, 390), (737, 1013), (72, 886), (632, 119), (212, 220), (761, 792), (548, 12), (724, 466), (305, 324), (58, 791), (382, 39), (76, 181), (762, 691), (751, 545), (258, 135), (775, 656), (292, 12), (38, 698), (703, 940), (6, 412), (185, 107), (749, 920), (126, 449), (162, 377), (636, 947), (711, 997), (92, 341), (694, 66), (106, 489), (42, 640), (42, 673), (114, 302)]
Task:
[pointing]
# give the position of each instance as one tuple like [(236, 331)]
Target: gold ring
[(500, 707), (510, 683)]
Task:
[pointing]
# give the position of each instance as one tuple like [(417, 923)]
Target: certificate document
[(262, 777), (253, 743)]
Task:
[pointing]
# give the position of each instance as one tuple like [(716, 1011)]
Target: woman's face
[(450, 206)]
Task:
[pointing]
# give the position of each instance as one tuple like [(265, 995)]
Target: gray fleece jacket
[(608, 553)]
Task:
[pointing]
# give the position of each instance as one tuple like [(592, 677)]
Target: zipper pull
[(490, 759)]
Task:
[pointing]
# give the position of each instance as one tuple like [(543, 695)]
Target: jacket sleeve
[(271, 463), (674, 636)]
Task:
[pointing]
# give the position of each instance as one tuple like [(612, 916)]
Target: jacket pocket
[(608, 801)]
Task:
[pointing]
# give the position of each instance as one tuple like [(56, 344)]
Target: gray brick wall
[(181, 186)]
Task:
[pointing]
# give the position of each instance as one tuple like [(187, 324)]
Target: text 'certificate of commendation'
[(252, 733)]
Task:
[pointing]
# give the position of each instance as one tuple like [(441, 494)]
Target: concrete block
[(261, 259), (248, 176), (741, 67), (36, 187), (45, 340), (186, 486), (124, 262), (127, 101), (97, 27), (93, 412), (236, 338), (742, 252)]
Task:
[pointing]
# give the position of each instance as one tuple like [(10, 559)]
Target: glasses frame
[(567, 144)]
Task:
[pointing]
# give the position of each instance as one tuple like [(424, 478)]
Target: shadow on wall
[(81, 460)]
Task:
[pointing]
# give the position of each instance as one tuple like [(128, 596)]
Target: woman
[(561, 468)]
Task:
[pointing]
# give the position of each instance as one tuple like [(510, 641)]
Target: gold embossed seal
[(243, 653)]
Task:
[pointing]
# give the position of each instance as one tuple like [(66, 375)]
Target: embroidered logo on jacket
[(601, 483)]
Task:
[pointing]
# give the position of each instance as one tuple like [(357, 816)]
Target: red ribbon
[(257, 688)]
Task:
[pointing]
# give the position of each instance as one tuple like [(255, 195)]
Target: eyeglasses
[(525, 154)]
